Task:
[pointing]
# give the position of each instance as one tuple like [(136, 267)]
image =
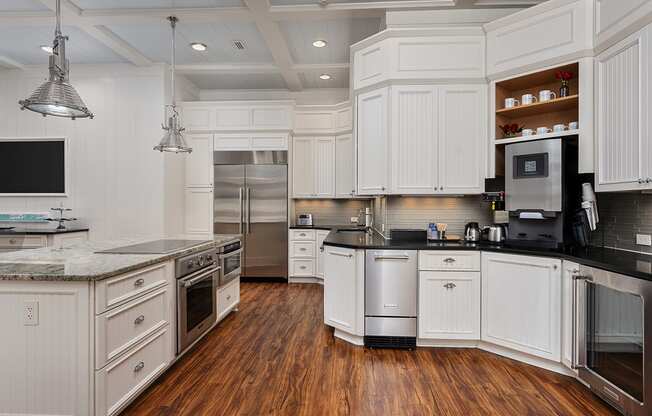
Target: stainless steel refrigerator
[(251, 198)]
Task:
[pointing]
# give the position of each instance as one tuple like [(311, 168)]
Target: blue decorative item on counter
[(433, 234)]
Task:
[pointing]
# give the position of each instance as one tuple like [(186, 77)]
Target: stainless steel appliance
[(230, 262), (197, 278), (496, 233), (391, 299), (304, 220), (155, 247), (472, 232), (251, 199), (612, 337)]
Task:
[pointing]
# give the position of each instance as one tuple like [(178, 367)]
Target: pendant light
[(173, 140), (56, 97)]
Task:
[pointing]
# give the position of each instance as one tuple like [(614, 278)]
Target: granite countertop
[(617, 261), (325, 227), (48, 231), (82, 262)]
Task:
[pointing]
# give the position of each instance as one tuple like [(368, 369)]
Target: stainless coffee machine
[(542, 192)]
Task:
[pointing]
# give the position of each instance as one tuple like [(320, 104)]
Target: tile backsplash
[(330, 211), (622, 216)]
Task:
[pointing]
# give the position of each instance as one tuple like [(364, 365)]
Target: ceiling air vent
[(239, 44)]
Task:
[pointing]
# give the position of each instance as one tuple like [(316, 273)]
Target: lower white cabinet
[(321, 236), (449, 305), (199, 211), (344, 289), (228, 298), (570, 269), (521, 303)]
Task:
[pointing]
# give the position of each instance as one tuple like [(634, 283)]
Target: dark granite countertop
[(46, 231), (324, 227), (617, 261)]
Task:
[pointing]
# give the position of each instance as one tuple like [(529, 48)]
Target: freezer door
[(228, 215), (266, 200)]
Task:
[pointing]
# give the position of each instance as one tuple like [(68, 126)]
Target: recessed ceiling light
[(201, 47), (46, 48), (319, 43), (325, 77)]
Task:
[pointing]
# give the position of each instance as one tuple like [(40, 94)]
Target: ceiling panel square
[(339, 79), (237, 81), (152, 4), (21, 5)]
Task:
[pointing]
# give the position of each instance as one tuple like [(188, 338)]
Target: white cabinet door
[(373, 146), (344, 166), (623, 112), (324, 160), (569, 270), (199, 211), (341, 307), (449, 305), (197, 118), (199, 163), (521, 303), (615, 18), (303, 168), (462, 139), (321, 252), (414, 139), (371, 64)]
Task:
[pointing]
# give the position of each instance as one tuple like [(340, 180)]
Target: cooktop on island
[(155, 247)]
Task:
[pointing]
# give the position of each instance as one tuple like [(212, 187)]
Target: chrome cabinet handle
[(449, 260), (574, 344), (302, 234), (139, 367), (241, 199), (302, 249), (302, 267), (391, 258), (335, 253), (450, 285), (441, 188), (139, 282), (648, 180), (139, 320), (641, 181)]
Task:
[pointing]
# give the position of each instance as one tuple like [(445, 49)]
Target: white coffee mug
[(546, 95), (573, 125), (511, 102), (543, 130), (558, 128), (527, 132), (528, 99)]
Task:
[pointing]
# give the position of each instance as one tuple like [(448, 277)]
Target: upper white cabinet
[(552, 32), (521, 303), (623, 93), (237, 116), (615, 19), (344, 289), (345, 166), (373, 142), (199, 163), (371, 65), (323, 119), (324, 167), (313, 167), (251, 141), (199, 211)]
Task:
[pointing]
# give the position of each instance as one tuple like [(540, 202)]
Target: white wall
[(117, 182)]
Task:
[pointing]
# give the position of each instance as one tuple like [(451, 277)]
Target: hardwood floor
[(275, 357)]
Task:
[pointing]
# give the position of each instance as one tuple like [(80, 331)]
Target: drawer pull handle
[(302, 249), (450, 285), (139, 367), (139, 320), (302, 234), (303, 267), (139, 282), (449, 260)]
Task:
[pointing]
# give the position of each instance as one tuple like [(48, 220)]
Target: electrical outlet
[(354, 220), (30, 313), (644, 239)]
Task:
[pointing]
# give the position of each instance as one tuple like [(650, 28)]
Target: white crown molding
[(527, 13), (443, 30)]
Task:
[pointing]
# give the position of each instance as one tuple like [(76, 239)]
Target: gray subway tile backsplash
[(622, 216)]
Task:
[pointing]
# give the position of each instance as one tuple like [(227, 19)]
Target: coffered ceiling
[(277, 35)]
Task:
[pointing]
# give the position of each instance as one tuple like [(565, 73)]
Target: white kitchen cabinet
[(449, 305), (615, 19), (373, 142), (623, 114), (344, 118), (321, 252), (414, 120), (199, 211), (521, 303), (570, 269), (462, 139), (345, 166), (313, 167), (371, 64), (197, 117), (343, 290), (324, 167), (199, 163), (237, 116), (228, 298)]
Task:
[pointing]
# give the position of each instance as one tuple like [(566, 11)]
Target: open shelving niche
[(561, 110)]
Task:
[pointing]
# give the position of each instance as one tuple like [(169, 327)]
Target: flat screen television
[(32, 167)]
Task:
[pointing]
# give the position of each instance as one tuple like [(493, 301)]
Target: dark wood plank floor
[(275, 357)]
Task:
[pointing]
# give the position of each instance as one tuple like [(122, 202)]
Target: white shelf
[(537, 137)]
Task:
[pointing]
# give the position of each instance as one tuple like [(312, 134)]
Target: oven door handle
[(231, 254), (200, 275)]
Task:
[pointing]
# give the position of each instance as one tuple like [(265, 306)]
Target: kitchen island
[(86, 332)]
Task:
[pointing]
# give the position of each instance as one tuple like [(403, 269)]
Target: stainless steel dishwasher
[(391, 298)]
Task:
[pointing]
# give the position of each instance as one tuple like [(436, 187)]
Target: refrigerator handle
[(240, 196), (248, 210)]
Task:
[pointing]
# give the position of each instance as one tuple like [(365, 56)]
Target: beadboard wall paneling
[(622, 216), (330, 211)]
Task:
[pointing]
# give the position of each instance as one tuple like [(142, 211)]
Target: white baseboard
[(352, 339), (526, 358), (316, 280), (447, 343)]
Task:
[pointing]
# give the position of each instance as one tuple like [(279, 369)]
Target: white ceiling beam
[(315, 12), (195, 15), (271, 33), (227, 69), (320, 67), (10, 63)]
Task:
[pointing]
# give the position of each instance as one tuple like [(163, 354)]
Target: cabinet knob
[(449, 260), (383, 188), (228, 297), (13, 241), (450, 285), (139, 320), (139, 367), (441, 188), (302, 267), (648, 180), (139, 282), (641, 181), (302, 249)]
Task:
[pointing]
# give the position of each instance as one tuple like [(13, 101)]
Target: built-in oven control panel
[(196, 261)]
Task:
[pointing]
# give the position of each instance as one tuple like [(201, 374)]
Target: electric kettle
[(472, 232)]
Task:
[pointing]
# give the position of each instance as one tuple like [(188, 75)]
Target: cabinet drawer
[(120, 289), (306, 235), (449, 260), (120, 381), (121, 328), (23, 241), (303, 249), (227, 298), (302, 268)]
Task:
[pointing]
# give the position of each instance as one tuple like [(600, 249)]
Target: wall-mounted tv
[(32, 167)]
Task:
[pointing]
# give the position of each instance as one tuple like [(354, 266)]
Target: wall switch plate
[(644, 239), (30, 313), (354, 220)]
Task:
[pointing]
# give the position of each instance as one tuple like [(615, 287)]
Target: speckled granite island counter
[(86, 332)]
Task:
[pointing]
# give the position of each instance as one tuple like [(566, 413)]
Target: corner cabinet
[(313, 167), (373, 142), (344, 290), (521, 303)]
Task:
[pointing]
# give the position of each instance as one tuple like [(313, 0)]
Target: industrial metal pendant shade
[(173, 140), (56, 97)]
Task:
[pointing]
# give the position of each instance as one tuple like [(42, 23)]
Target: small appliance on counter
[(472, 232), (496, 233), (305, 220)]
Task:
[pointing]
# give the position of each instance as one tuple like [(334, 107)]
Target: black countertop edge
[(617, 261), (48, 231), (324, 227)]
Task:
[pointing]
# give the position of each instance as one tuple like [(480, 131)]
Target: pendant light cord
[(57, 31), (173, 21)]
